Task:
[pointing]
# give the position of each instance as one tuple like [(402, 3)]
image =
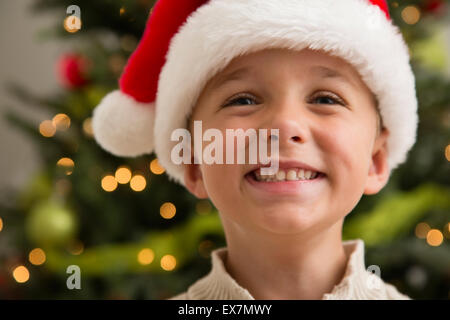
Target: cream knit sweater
[(357, 283)]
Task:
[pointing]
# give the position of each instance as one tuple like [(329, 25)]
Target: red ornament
[(72, 70)]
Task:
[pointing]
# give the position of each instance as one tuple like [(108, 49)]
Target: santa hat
[(187, 42)]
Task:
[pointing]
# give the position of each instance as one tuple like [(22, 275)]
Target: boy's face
[(326, 118)]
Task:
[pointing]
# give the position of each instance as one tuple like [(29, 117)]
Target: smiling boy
[(287, 228), (332, 76)]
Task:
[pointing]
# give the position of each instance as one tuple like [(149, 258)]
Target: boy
[(332, 76)]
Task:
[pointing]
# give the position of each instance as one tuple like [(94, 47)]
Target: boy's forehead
[(315, 63)]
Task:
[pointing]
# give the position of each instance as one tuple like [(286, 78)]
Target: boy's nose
[(291, 122)]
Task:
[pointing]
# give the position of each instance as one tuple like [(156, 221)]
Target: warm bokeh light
[(122, 11), (1, 224), (138, 182), (37, 256), (145, 256), (47, 129), (434, 237), (447, 152), (167, 210), (21, 274), (109, 183), (155, 167), (61, 121), (76, 248), (168, 262), (87, 127), (72, 24), (411, 14), (123, 174), (203, 207), (67, 164), (422, 230)]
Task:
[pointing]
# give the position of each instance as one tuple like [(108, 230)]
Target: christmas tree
[(136, 235)]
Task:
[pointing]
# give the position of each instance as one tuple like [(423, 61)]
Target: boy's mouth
[(288, 170), (285, 174), (287, 181)]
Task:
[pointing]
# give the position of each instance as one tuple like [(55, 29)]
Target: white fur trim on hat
[(221, 30), (123, 126)]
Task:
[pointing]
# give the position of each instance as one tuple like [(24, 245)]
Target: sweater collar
[(219, 285)]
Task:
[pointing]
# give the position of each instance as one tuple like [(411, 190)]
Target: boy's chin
[(287, 221)]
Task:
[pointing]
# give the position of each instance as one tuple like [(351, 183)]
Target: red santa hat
[(187, 42)]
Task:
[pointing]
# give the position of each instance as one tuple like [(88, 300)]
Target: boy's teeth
[(287, 175), (308, 174), (281, 175), (291, 175)]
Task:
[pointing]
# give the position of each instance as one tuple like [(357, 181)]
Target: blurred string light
[(1, 224), (37, 256), (67, 164), (123, 174), (47, 128), (138, 182), (434, 237), (395, 4), (447, 152), (21, 274), (87, 127), (122, 11), (145, 256), (167, 210), (411, 14), (155, 167), (422, 230), (61, 121), (168, 262), (109, 183)]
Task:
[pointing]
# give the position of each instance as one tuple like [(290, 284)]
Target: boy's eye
[(327, 98), (240, 100)]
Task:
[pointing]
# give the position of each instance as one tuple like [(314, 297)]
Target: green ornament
[(50, 223)]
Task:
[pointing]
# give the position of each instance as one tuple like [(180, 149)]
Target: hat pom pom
[(123, 126)]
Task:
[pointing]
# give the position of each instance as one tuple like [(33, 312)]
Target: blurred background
[(135, 235)]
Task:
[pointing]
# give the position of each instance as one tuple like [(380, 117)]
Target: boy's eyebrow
[(326, 72), (323, 71), (230, 76)]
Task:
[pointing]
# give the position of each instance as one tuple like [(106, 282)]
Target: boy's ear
[(379, 171), (193, 180)]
